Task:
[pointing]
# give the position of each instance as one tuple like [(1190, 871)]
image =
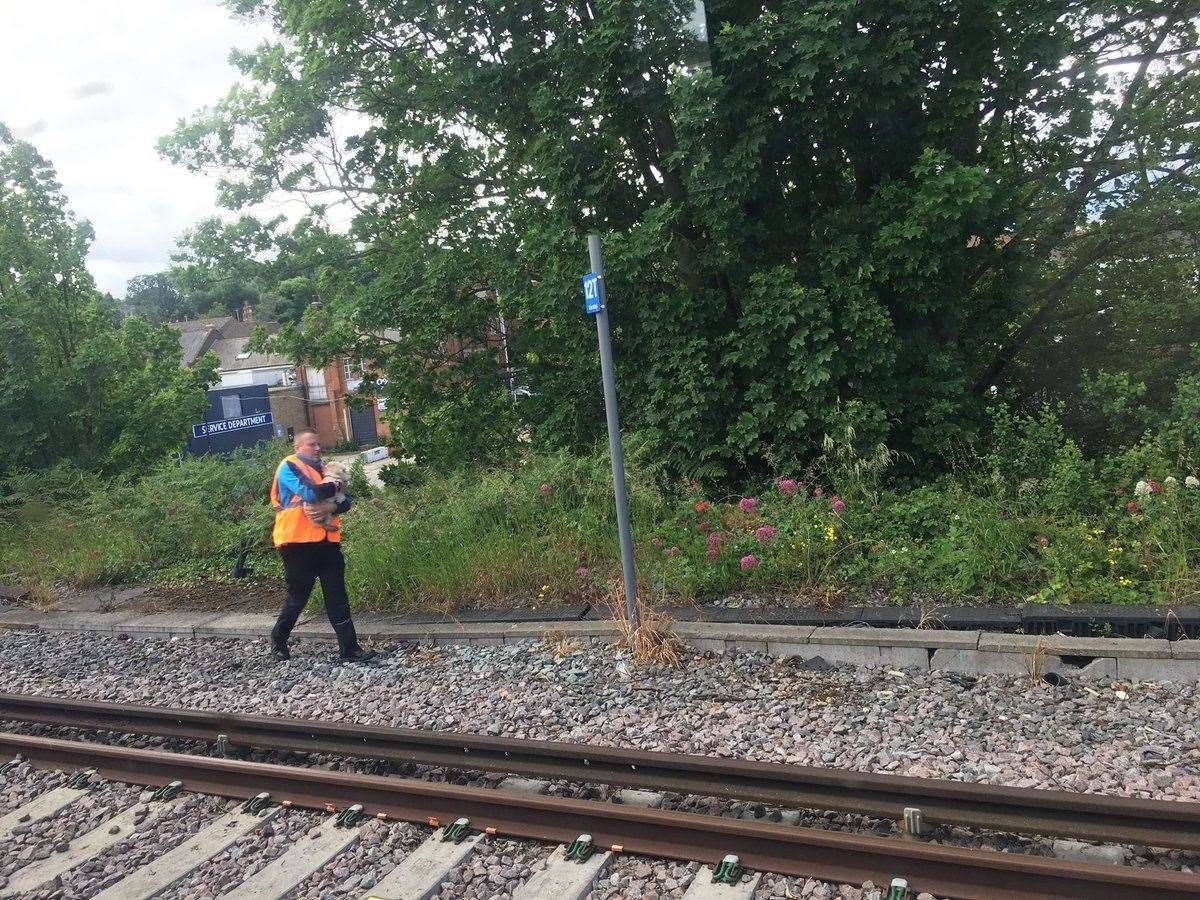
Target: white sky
[(93, 84)]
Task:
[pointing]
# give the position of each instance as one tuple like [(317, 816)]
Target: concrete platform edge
[(965, 652)]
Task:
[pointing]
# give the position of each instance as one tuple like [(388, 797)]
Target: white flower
[(1142, 488), (1171, 481), (1192, 481)]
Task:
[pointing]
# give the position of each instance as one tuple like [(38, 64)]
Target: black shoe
[(359, 655), (280, 654)]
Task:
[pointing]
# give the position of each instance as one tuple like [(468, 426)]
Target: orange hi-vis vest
[(292, 526)]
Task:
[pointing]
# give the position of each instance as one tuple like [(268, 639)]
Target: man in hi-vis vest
[(309, 549)]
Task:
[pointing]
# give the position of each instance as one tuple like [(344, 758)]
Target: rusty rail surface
[(1155, 823), (785, 850)]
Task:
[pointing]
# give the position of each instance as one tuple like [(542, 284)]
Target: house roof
[(226, 337), (195, 344), (233, 355)]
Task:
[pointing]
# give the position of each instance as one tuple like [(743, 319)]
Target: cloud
[(92, 89), (30, 131), (122, 75)]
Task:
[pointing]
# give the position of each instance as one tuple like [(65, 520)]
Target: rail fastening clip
[(350, 816), (730, 870), (456, 833), (81, 778), (257, 803), (581, 849), (167, 791)]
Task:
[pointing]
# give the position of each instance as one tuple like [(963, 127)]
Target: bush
[(1034, 520)]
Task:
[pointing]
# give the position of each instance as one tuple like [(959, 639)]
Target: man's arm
[(305, 488), (344, 504)]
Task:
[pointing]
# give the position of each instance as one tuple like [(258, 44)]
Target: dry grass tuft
[(559, 645), (653, 642)]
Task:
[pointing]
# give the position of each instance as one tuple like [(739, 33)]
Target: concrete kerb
[(87, 621), (968, 652), (168, 623), (237, 625)]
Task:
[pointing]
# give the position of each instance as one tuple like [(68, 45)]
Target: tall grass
[(544, 529)]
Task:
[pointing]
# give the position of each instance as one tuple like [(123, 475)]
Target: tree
[(226, 266), (75, 382), (858, 200), (156, 299)]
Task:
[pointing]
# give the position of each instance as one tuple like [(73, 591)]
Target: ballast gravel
[(23, 782), (1136, 740)]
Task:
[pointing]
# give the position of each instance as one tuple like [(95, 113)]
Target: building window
[(348, 370), (315, 379), (231, 406)]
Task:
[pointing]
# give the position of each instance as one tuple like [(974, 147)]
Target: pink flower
[(656, 541), (818, 491), (748, 562), (703, 527), (1155, 487), (1132, 507), (545, 489), (748, 504), (701, 507), (788, 487), (714, 552), (1043, 541), (583, 573), (714, 539), (838, 505), (671, 551), (765, 534)]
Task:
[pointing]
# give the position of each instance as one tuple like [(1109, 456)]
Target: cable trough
[(786, 850), (1155, 823)]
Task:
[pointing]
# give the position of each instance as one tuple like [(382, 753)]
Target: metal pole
[(615, 449)]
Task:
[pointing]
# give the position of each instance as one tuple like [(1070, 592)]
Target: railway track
[(1154, 823), (609, 828), (786, 850)]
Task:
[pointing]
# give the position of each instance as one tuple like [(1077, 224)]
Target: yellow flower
[(830, 534)]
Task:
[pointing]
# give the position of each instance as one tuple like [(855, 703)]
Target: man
[(309, 550)]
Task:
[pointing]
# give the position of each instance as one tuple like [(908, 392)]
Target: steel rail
[(1155, 823), (785, 850)]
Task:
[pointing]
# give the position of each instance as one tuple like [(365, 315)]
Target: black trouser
[(303, 564)]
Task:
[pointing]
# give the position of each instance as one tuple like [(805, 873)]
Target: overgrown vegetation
[(917, 206), (904, 300), (1031, 519), (76, 382)]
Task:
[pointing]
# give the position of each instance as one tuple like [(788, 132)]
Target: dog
[(322, 513)]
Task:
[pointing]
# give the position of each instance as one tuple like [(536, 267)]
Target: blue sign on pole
[(593, 293), (206, 428)]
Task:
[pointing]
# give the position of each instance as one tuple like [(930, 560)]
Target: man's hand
[(316, 511)]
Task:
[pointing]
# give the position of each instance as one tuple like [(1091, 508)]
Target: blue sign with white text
[(206, 428), (593, 293)]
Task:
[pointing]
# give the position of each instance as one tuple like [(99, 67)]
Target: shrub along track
[(787, 850)]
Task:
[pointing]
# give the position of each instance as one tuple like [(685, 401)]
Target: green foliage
[(909, 206), (182, 519), (544, 529), (358, 485), (155, 298), (76, 381)]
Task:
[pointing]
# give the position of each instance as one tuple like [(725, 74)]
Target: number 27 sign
[(593, 293)]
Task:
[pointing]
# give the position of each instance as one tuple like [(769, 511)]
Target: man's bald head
[(307, 443)]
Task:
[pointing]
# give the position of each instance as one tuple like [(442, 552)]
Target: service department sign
[(204, 429)]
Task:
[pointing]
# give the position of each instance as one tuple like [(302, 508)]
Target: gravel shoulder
[(1132, 740)]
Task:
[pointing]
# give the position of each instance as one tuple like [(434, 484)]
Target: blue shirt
[(294, 483)]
